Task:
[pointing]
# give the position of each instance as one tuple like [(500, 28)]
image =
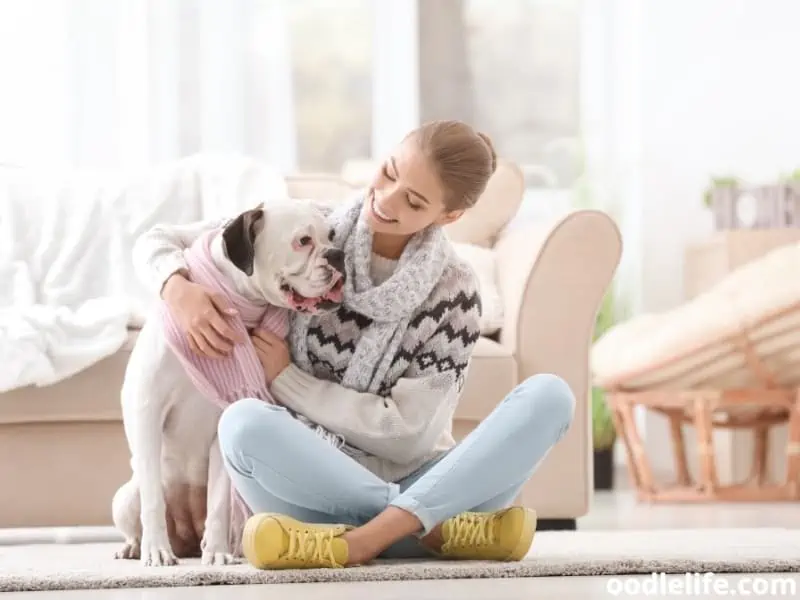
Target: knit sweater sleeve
[(406, 424), (158, 252)]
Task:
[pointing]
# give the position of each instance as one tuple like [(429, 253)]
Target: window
[(307, 85), (331, 53), (511, 68)]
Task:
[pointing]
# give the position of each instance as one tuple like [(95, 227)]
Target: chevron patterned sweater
[(408, 422)]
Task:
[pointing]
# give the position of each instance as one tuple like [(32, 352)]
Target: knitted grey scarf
[(390, 305)]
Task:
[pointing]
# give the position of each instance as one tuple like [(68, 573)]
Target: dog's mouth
[(330, 299)]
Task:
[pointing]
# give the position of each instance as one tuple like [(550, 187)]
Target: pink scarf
[(239, 375)]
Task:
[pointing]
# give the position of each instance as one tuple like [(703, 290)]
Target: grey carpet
[(554, 553)]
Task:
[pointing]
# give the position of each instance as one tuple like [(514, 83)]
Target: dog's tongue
[(335, 294), (299, 302)]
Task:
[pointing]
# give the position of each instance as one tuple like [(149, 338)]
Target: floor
[(617, 510)]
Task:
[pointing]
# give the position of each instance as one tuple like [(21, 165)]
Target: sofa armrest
[(552, 280)]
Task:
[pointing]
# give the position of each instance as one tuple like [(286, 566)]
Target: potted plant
[(604, 434), (717, 183), (603, 438)]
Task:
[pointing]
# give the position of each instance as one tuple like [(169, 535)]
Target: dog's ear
[(239, 238)]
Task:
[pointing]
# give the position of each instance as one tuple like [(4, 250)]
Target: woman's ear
[(450, 216)]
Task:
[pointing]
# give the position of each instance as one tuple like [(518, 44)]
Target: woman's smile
[(378, 213)]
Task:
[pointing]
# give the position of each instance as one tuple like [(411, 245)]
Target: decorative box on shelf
[(709, 260), (739, 206)]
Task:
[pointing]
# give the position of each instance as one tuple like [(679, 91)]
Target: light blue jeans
[(279, 465)]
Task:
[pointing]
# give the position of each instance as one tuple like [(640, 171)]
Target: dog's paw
[(218, 558), (155, 554), (130, 549), (216, 553)]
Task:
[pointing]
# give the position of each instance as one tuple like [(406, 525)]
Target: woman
[(383, 375)]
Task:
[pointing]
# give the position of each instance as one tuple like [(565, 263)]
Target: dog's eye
[(305, 240), (331, 233)]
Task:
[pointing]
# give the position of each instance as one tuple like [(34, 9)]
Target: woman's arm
[(159, 262), (158, 253), (406, 424)]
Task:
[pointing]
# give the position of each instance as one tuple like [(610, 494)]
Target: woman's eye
[(386, 173)]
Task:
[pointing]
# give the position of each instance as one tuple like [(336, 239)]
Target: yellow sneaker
[(273, 541), (505, 535)]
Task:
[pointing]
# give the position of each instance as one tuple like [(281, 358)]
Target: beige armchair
[(67, 439)]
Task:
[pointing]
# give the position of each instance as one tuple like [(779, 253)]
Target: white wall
[(719, 94)]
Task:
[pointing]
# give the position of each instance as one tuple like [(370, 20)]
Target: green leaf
[(603, 432), (718, 182)]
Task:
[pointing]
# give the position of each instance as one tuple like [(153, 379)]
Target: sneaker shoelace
[(311, 546), (471, 529)]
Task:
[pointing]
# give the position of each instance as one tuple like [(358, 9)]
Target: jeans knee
[(244, 420), (550, 399)]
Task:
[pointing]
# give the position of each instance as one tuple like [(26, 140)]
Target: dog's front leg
[(147, 429), (215, 545)]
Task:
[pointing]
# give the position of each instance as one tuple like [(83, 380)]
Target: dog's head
[(284, 247)]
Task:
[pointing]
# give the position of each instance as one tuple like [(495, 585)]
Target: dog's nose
[(335, 258)]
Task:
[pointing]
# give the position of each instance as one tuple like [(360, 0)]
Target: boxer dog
[(178, 500)]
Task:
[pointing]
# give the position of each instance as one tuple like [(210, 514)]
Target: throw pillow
[(482, 261)]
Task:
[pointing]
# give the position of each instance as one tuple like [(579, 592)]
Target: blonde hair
[(464, 159)]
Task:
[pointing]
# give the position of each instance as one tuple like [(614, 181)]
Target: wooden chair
[(756, 409)]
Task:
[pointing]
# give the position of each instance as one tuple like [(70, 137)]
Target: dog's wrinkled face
[(285, 248)]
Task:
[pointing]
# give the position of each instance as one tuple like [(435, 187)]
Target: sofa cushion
[(90, 395), (713, 341), (322, 187), (492, 374), (501, 200), (482, 261)]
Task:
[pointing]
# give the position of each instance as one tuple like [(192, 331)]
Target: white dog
[(277, 255)]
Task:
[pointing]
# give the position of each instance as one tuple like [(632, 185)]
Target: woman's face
[(406, 195)]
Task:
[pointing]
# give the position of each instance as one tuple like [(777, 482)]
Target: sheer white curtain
[(125, 83), (611, 128), (395, 73)]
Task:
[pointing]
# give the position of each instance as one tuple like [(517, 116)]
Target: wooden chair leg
[(705, 443), (793, 448), (637, 448), (626, 442), (707, 487), (758, 472), (679, 448)]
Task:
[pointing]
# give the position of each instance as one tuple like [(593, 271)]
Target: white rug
[(554, 553)]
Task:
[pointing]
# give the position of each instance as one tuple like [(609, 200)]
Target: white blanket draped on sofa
[(68, 289)]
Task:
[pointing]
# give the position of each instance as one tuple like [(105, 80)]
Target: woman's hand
[(200, 316), (273, 353)]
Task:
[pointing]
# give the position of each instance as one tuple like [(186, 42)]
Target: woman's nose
[(388, 195)]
